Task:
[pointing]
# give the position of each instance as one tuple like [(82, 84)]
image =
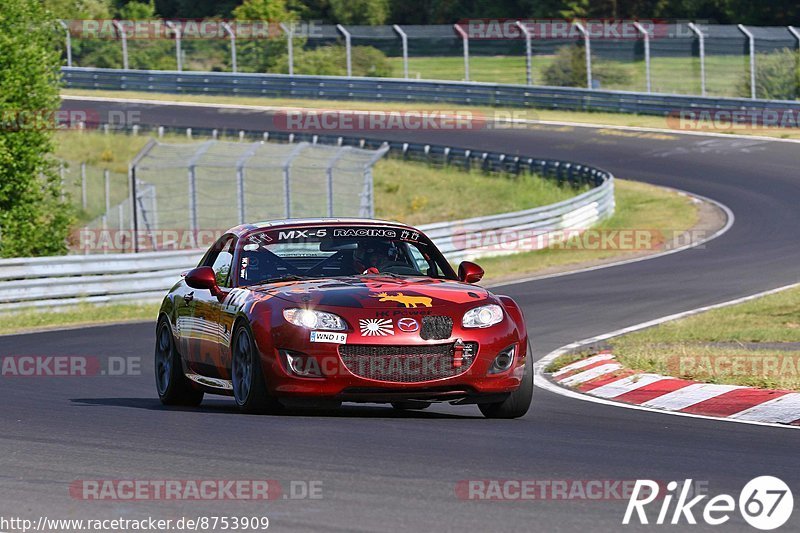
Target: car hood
[(377, 292)]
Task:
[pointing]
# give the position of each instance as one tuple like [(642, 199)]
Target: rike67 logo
[(765, 503)]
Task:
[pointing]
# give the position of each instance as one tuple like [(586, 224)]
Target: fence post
[(287, 185), (701, 41), (68, 42), (404, 40), (588, 44), (289, 31), (193, 187), (229, 30), (646, 54), (178, 55), (123, 36), (132, 176), (347, 49), (107, 189), (796, 34), (528, 53), (465, 40), (329, 175), (84, 199), (240, 179), (367, 207), (752, 40), (192, 202), (61, 175)]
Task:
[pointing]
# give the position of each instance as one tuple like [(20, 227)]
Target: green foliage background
[(761, 13), (33, 218)]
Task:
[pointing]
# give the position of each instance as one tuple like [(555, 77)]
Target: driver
[(375, 254)]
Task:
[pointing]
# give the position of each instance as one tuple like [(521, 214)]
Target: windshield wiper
[(285, 277)]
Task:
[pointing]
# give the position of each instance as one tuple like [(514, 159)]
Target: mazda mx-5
[(326, 311)]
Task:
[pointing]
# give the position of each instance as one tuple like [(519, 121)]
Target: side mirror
[(203, 278), (469, 272)]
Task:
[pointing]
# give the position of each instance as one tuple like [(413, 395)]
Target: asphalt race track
[(389, 471)]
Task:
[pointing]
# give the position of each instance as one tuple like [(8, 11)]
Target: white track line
[(583, 363), (544, 383), (625, 385), (688, 396), (782, 409), (588, 375)]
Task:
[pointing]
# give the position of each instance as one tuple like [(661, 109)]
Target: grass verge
[(598, 118), (79, 315), (417, 193), (739, 345), (639, 207), (744, 344), (412, 192)]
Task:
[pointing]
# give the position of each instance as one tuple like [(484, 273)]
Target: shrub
[(568, 69), (777, 76), (332, 61)]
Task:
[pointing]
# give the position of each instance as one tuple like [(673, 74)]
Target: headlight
[(307, 318), (483, 316)]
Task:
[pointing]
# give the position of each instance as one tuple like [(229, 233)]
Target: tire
[(411, 406), (517, 403), (173, 387), (249, 387)]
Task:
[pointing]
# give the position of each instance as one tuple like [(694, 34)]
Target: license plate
[(328, 336)]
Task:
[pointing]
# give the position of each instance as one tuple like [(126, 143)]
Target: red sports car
[(339, 310)]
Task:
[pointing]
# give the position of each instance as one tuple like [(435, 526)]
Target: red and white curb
[(602, 376)]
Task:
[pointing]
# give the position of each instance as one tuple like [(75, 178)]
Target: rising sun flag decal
[(376, 327)]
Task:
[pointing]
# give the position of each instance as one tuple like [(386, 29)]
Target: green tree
[(370, 12), (79, 9), (33, 218), (266, 55), (272, 10)]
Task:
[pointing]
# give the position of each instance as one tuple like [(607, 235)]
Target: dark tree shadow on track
[(222, 406)]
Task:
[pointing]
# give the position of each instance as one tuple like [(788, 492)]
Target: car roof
[(293, 222)]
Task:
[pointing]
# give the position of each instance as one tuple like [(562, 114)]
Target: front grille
[(403, 364), (436, 328)]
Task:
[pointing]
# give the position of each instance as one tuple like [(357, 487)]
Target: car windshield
[(321, 251)]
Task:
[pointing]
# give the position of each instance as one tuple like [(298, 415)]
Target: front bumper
[(475, 383)]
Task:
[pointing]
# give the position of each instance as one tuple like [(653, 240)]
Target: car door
[(204, 343)]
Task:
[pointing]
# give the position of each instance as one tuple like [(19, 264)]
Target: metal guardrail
[(402, 90), (66, 280)]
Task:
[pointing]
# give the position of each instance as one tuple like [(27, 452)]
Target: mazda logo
[(408, 325)]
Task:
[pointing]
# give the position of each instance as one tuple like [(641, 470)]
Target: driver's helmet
[(374, 253)]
